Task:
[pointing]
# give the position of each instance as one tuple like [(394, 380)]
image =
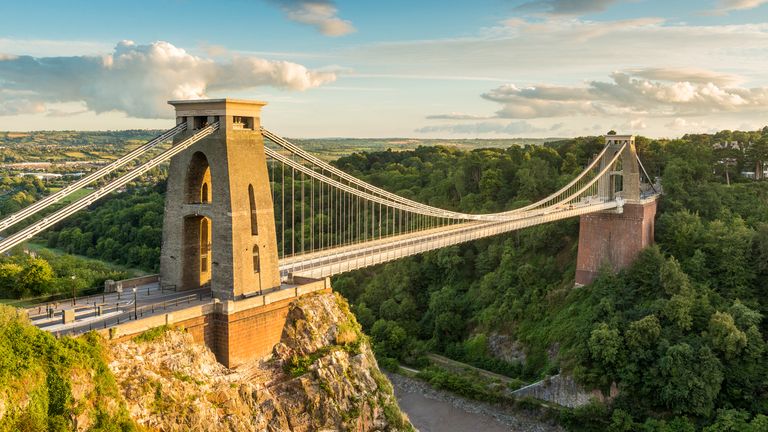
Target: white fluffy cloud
[(320, 14), (629, 93), (139, 79)]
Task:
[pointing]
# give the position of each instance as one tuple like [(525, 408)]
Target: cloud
[(537, 49), (320, 14), (680, 123), (511, 128), (726, 6), (632, 125), (566, 7), (628, 93), (457, 116), (139, 79), (694, 75)]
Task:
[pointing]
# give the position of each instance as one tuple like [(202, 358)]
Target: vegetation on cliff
[(322, 376), (49, 384)]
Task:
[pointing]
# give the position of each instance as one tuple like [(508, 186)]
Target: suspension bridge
[(250, 216)]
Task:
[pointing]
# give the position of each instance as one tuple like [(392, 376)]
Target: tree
[(689, 380), (9, 279), (725, 336), (36, 276)]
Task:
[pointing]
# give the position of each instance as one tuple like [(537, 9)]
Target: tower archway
[(197, 260), (198, 180)]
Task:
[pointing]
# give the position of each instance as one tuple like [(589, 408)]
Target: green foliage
[(152, 334), (48, 274), (38, 368), (680, 332), (125, 229)]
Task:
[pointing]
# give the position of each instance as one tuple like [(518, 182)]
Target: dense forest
[(681, 333)]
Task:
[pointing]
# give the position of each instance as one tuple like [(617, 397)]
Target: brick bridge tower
[(219, 227), (613, 239)]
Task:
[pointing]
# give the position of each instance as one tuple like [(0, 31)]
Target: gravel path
[(432, 410)]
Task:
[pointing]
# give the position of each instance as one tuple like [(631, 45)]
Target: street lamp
[(74, 298), (135, 314)]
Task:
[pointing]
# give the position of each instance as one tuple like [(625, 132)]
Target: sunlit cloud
[(628, 93), (320, 14), (139, 79)]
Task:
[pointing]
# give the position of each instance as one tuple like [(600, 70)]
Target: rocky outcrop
[(564, 391), (321, 376), (505, 347)]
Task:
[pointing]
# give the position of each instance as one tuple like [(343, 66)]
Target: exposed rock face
[(564, 391), (506, 348), (322, 376)]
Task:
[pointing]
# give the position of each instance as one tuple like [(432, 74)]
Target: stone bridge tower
[(612, 239), (219, 227)]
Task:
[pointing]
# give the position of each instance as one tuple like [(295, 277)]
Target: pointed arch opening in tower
[(198, 190), (198, 255), (254, 216)]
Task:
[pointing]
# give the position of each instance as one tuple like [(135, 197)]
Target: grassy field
[(76, 195), (37, 247)]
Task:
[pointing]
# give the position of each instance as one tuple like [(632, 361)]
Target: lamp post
[(74, 298), (135, 314)]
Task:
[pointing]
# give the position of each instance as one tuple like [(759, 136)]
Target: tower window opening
[(200, 122), (254, 216), (204, 193), (240, 122), (256, 263), (205, 245)]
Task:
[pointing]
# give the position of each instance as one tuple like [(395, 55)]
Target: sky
[(422, 69)]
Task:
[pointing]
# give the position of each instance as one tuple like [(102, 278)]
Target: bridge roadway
[(329, 262), (115, 308)]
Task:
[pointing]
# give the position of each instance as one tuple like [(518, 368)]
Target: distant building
[(751, 174), (726, 145), (41, 175)]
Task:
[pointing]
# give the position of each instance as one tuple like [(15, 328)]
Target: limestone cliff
[(321, 376)]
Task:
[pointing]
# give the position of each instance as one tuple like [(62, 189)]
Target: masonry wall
[(236, 331), (249, 334), (613, 240)]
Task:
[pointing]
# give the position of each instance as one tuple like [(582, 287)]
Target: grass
[(133, 272), (76, 154), (76, 195), (152, 334)]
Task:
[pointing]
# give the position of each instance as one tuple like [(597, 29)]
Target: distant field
[(75, 154), (76, 195), (109, 145)]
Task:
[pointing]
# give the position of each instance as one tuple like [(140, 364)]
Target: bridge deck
[(329, 262)]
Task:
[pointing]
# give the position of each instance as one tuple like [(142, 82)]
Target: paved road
[(116, 308)]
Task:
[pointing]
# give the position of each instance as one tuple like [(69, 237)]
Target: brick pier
[(613, 240)]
